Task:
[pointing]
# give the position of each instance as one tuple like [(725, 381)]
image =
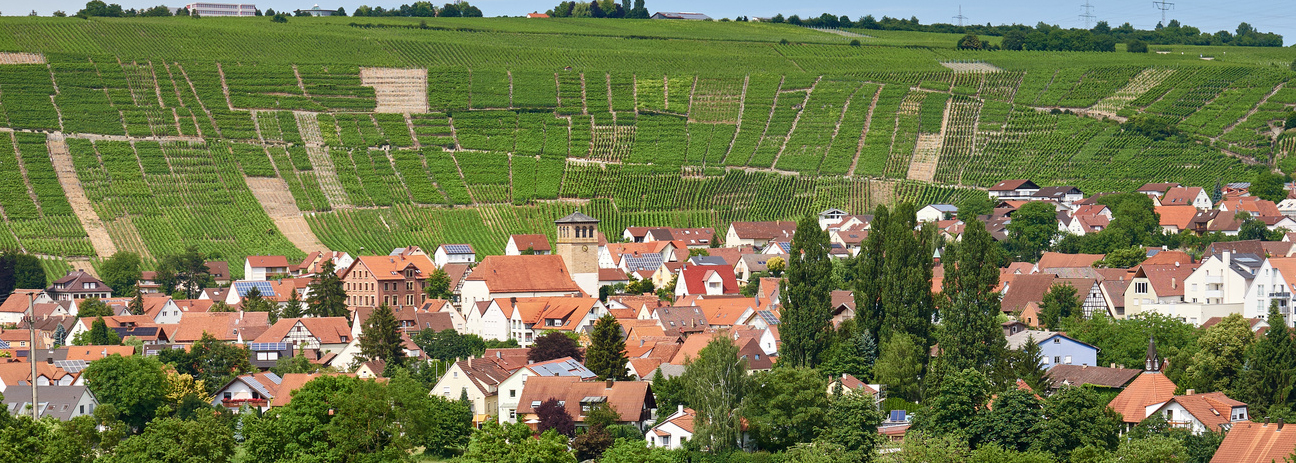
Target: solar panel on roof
[(897, 415), (71, 366), (458, 249), (4, 344), (265, 287), (768, 317), (269, 346)]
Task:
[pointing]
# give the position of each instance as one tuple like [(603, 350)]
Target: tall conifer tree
[(606, 356)]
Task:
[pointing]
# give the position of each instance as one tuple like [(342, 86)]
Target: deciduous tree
[(716, 383), (135, 386), (554, 345), (898, 367), (1060, 302), (1267, 377), (553, 415), (1222, 352), (438, 285), (121, 272), (1032, 229), (786, 406)]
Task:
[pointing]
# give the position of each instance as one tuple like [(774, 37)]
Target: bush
[(1136, 46), (854, 42)]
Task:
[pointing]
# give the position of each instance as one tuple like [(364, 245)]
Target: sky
[(1209, 16)]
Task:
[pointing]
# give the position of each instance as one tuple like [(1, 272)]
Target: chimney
[(1280, 424), (1113, 365), (679, 408), (498, 355), (1190, 392), (1173, 284), (609, 384), (1227, 257)]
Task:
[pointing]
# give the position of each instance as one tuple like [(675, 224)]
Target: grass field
[(635, 122)]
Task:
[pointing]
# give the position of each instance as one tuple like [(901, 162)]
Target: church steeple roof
[(1152, 362)]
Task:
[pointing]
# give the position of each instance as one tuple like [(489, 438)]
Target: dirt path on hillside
[(278, 203), (63, 168)]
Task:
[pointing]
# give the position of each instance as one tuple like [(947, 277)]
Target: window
[(1057, 359), (665, 441), (512, 414), (446, 391), (456, 374), (267, 356), (1169, 415), (1068, 360), (1141, 287), (512, 393), (228, 395), (1046, 360), (1057, 340), (83, 409)]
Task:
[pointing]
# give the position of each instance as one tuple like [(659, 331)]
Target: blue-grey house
[(1056, 348)]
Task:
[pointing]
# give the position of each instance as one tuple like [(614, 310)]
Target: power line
[(1163, 6), (1088, 14), (960, 16)]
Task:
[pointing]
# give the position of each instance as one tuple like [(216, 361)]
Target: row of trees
[(1172, 33), (600, 9), (422, 10)]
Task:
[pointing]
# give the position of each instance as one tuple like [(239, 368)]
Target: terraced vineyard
[(387, 135)]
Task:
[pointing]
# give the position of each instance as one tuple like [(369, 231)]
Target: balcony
[(1282, 295), (1214, 294), (1214, 280)]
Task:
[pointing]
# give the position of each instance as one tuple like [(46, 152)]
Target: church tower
[(578, 244)]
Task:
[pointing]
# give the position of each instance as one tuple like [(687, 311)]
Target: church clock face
[(585, 248)]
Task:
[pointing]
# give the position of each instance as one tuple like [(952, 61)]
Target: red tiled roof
[(1181, 196), (392, 267), (627, 398), (267, 261), (1009, 185), (1147, 389), (329, 330), (764, 230), (695, 277), (533, 242), (1249, 442), (1177, 216), (523, 274), (1212, 409), (1060, 260)]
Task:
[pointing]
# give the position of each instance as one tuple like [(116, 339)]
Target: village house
[(937, 212), (759, 233), (1200, 413), (323, 333), (1148, 388), (262, 268), (1056, 348), (78, 285), (454, 254), (523, 318), (1013, 189), (1065, 195), (59, 402), (371, 281), (535, 244), (314, 262), (1156, 288), (1274, 281), (518, 276), (262, 390), (479, 379), (632, 400), (510, 390), (1186, 196), (15, 307), (711, 280), (1250, 442)]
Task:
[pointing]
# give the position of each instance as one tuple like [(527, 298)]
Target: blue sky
[(1209, 16)]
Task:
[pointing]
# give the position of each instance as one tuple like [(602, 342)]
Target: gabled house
[(78, 285), (527, 317), (937, 212), (1065, 195), (712, 280), (479, 379), (457, 319), (536, 244), (237, 327), (1250, 442), (323, 333), (262, 390), (510, 390), (632, 400), (314, 262), (262, 268), (1078, 375), (62, 402), (750, 264), (14, 307), (1176, 218), (759, 233), (1056, 348), (1156, 190), (691, 238), (1014, 189), (518, 276), (1155, 287), (1199, 413), (398, 280), (1187, 196), (1274, 281), (454, 254), (1150, 387)]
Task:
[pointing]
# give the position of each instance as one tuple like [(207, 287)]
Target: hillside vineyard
[(247, 137)]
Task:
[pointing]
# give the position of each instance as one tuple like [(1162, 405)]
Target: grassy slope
[(476, 58)]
